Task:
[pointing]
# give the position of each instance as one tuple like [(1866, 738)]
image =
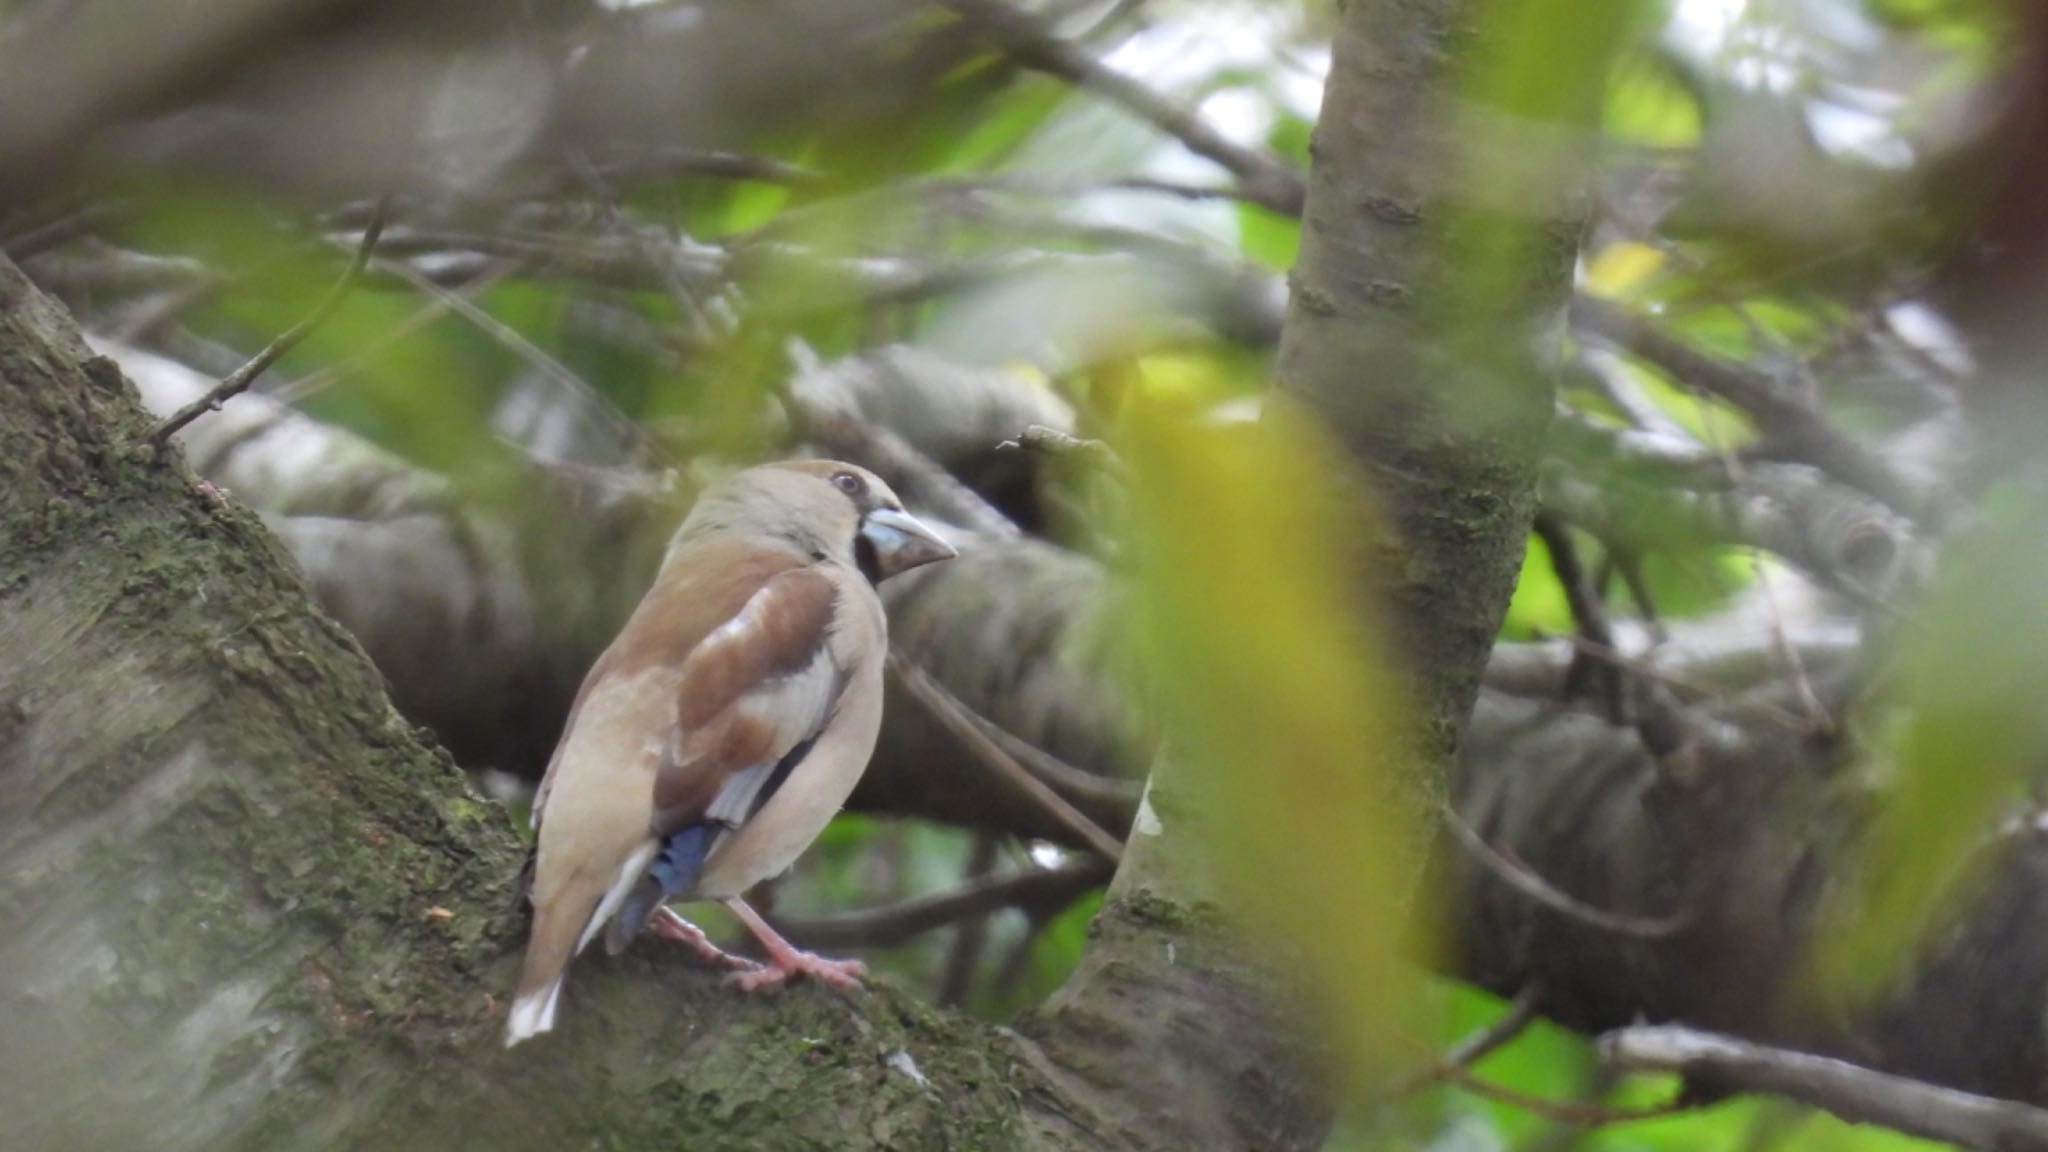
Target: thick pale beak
[(901, 542)]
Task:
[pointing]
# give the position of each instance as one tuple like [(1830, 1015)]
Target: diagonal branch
[(1563, 1111), (1473, 1048), (1524, 880), (955, 717), (1784, 415), (239, 380), (1854, 1093), (1267, 180)]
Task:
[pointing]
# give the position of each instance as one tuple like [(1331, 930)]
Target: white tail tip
[(532, 1015)]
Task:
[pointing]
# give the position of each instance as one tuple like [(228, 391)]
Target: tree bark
[(1443, 410)]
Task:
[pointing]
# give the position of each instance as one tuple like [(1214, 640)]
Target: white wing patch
[(795, 706)]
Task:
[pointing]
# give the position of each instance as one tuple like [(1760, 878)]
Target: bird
[(723, 727)]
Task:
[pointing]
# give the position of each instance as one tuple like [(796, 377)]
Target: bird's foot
[(786, 960), (782, 966), (669, 925)]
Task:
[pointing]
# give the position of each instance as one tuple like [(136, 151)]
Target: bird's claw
[(669, 925), (781, 969)]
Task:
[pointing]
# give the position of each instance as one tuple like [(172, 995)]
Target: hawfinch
[(725, 725)]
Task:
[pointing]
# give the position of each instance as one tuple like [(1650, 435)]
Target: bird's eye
[(849, 483)]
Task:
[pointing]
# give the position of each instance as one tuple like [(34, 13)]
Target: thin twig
[(629, 431), (1521, 878), (313, 383), (1854, 1093), (1268, 180), (1054, 186), (1629, 563), (954, 716), (1563, 1111), (239, 380), (1109, 795), (39, 238), (1035, 889), (1521, 1013), (659, 161), (1817, 714), (1656, 715), (1818, 718)]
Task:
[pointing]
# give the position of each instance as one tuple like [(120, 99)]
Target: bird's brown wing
[(672, 621), (547, 780), (754, 692)]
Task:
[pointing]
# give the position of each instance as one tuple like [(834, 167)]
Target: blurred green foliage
[(1259, 664), (1265, 669)]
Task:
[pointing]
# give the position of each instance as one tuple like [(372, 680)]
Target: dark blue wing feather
[(674, 869)]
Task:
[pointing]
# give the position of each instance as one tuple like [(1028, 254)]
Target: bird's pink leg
[(669, 925), (786, 960)]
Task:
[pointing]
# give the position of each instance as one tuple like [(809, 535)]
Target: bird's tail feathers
[(556, 925), (533, 1013), (564, 921)]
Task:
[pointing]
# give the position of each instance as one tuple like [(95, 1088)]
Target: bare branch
[(312, 384), (47, 235), (1035, 889), (1589, 612), (1854, 1093), (629, 431), (1638, 491), (1522, 879), (955, 718), (661, 160), (1076, 784), (1476, 1047), (239, 380), (1268, 180), (1563, 1111), (1785, 415)]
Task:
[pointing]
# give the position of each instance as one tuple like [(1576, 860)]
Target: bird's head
[(825, 508)]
